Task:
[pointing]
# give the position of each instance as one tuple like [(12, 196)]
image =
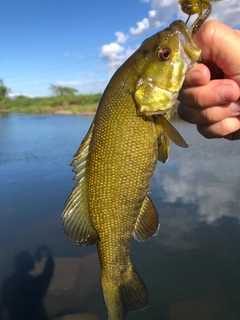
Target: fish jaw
[(189, 50)]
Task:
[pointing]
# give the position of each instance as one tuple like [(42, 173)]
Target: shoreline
[(63, 112), (90, 112), (82, 113)]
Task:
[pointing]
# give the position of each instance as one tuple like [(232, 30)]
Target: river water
[(191, 268)]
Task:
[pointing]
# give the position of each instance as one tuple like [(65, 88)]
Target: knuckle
[(209, 115), (229, 125), (198, 97)]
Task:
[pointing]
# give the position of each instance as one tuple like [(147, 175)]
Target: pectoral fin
[(172, 133), (163, 147), (76, 220), (147, 223), (164, 131)]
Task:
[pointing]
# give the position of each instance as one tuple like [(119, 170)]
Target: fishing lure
[(201, 7)]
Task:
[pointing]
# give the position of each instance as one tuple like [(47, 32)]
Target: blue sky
[(80, 43)]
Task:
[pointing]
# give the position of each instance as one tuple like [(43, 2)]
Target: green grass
[(74, 104)]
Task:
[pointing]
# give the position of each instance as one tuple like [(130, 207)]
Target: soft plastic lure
[(201, 7)]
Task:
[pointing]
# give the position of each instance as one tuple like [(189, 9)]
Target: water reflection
[(22, 294), (196, 279), (191, 268), (203, 175)]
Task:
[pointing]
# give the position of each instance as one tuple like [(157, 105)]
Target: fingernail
[(235, 107)]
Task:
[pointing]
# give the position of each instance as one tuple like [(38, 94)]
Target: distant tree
[(61, 91), (3, 90)]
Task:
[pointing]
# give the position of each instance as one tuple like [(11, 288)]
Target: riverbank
[(90, 112), (79, 104), (67, 105)]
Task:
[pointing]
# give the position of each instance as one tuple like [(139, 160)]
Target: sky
[(79, 43)]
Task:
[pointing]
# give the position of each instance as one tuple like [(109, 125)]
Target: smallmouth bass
[(116, 160)]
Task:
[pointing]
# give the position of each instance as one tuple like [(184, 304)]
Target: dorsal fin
[(80, 156), (76, 219)]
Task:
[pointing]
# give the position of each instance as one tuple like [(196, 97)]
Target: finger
[(233, 136), (197, 76), (208, 38), (224, 128), (216, 92), (207, 116)]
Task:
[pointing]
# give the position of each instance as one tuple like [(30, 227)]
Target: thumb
[(219, 44)]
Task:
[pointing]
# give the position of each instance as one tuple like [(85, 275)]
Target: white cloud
[(142, 26), (121, 37), (152, 13), (114, 54), (111, 50), (161, 14), (227, 11)]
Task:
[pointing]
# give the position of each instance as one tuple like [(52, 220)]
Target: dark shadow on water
[(204, 276), (22, 294)]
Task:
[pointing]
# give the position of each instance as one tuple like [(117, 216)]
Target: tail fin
[(127, 294)]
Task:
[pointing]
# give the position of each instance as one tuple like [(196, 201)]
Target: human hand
[(210, 93), (42, 251)]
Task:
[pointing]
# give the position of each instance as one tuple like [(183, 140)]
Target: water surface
[(191, 269)]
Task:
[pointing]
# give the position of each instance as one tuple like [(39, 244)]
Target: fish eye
[(164, 53)]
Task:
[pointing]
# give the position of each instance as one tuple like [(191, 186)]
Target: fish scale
[(118, 197), (115, 162), (131, 162)]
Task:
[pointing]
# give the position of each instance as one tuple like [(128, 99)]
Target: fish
[(115, 162), (192, 7)]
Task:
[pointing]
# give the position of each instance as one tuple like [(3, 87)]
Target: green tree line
[(64, 99), (62, 91), (3, 90)]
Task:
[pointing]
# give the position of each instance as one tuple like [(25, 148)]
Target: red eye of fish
[(164, 53)]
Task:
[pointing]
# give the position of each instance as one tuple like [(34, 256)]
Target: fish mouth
[(189, 49)]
